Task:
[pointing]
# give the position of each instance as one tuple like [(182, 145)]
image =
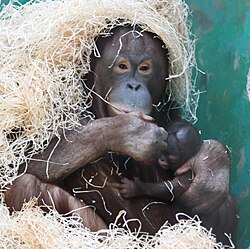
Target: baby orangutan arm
[(200, 185), (166, 190)]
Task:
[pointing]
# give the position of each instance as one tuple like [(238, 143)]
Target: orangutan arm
[(125, 134)]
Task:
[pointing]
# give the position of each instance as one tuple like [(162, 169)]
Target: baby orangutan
[(183, 143), (184, 153)]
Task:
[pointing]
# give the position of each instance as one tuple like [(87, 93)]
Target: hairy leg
[(28, 186)]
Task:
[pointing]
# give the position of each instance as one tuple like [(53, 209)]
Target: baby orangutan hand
[(131, 188)]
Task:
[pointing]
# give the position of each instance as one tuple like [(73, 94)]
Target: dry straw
[(31, 228), (45, 48)]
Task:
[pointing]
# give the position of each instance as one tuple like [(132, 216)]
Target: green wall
[(222, 29)]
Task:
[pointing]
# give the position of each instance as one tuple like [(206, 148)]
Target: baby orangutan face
[(183, 143), (172, 159)]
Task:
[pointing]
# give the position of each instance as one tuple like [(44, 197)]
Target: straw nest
[(31, 228), (45, 47)]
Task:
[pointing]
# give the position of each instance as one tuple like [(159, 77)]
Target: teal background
[(222, 29)]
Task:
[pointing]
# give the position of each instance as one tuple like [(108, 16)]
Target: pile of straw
[(31, 228), (45, 49)]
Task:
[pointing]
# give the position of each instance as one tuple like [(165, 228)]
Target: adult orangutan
[(127, 138)]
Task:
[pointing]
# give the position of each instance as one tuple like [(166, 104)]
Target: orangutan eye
[(144, 68), (123, 66)]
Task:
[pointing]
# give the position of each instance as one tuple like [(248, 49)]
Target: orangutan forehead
[(134, 41), (128, 42)]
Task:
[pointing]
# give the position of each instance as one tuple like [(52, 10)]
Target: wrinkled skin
[(186, 154), (130, 75)]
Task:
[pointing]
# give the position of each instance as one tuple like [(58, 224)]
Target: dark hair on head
[(186, 136)]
